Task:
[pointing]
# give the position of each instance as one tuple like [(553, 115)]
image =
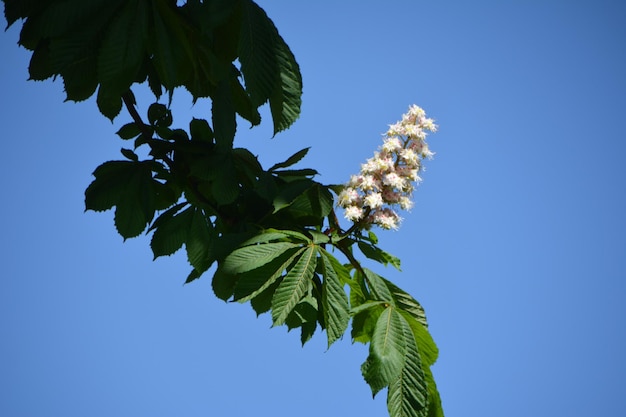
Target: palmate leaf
[(304, 315), (294, 285), (377, 286), (172, 232), (61, 18), (334, 300), (129, 186), (109, 183), (313, 205), (387, 349), (375, 253), (123, 47), (425, 343), (254, 256), (406, 302), (285, 101), (17, 9), (252, 283), (171, 47), (200, 241), (269, 68), (407, 395), (223, 116), (75, 60), (434, 400), (293, 159)]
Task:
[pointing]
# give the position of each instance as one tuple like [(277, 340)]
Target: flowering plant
[(387, 179), (269, 235)]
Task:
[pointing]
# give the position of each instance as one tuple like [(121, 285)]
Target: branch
[(129, 101)]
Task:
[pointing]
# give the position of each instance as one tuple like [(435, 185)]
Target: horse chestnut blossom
[(388, 179)]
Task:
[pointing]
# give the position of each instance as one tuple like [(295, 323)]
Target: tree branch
[(129, 101)]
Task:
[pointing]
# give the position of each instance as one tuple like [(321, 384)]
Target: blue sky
[(516, 246)]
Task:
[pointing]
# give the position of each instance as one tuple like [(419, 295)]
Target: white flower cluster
[(387, 179)]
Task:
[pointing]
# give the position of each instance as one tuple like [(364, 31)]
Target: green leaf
[(342, 272), (129, 186), (19, 9), (223, 117), (262, 303), (223, 284), (304, 312), (109, 102), (297, 236), (159, 115), (289, 192), (225, 187), (251, 257), (387, 349), (314, 203), (294, 285), (406, 302), (129, 154), (136, 205), (129, 131), (40, 67), (171, 47), (366, 306), (296, 173), (304, 315), (377, 286), (123, 47), (200, 130), (425, 344), (110, 180), (408, 395), (334, 301), (80, 77), (269, 68), (268, 235), (375, 253), (319, 238), (172, 232), (285, 101), (193, 275), (434, 400), (200, 241), (256, 53), (364, 322), (293, 159), (253, 282)]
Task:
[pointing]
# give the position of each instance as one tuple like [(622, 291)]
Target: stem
[(146, 130), (357, 225), (129, 101)]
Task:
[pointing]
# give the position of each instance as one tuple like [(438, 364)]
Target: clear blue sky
[(516, 245)]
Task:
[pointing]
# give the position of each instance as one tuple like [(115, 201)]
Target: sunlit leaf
[(408, 395), (253, 282), (251, 257), (406, 302), (377, 286), (334, 301), (387, 349), (269, 68), (294, 285), (375, 253)]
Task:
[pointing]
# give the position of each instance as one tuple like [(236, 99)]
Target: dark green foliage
[(108, 45), (271, 235)]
